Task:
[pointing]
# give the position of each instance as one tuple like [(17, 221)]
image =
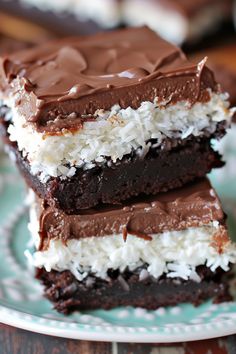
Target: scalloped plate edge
[(113, 333)]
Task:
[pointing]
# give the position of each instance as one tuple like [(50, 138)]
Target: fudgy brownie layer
[(159, 171), (126, 289)]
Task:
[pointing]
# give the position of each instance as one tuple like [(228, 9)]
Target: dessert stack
[(112, 134)]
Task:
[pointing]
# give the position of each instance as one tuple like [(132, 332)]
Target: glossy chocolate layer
[(190, 206), (62, 83)]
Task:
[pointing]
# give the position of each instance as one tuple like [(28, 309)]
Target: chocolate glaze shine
[(191, 206), (82, 75)]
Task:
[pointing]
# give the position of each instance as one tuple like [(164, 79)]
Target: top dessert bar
[(179, 21), (103, 118)]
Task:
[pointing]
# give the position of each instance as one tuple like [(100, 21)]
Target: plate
[(22, 304)]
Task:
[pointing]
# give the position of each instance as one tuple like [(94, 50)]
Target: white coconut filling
[(104, 12), (174, 253), (114, 134), (170, 24)]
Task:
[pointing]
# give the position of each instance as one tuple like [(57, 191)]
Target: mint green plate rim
[(116, 333)]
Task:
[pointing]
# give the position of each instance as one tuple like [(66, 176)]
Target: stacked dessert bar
[(112, 134)]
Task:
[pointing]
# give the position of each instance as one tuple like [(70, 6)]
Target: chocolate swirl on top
[(82, 75), (192, 206)]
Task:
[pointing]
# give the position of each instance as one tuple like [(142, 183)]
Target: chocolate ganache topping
[(62, 83), (192, 206)]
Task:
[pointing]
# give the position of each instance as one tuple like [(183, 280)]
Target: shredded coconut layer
[(174, 253), (114, 134)]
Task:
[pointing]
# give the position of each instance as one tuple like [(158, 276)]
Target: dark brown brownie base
[(160, 171), (68, 294)]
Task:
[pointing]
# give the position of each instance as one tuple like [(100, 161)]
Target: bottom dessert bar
[(149, 252), (131, 289)]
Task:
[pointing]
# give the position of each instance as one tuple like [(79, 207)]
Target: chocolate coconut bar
[(179, 21), (152, 252), (101, 119)]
